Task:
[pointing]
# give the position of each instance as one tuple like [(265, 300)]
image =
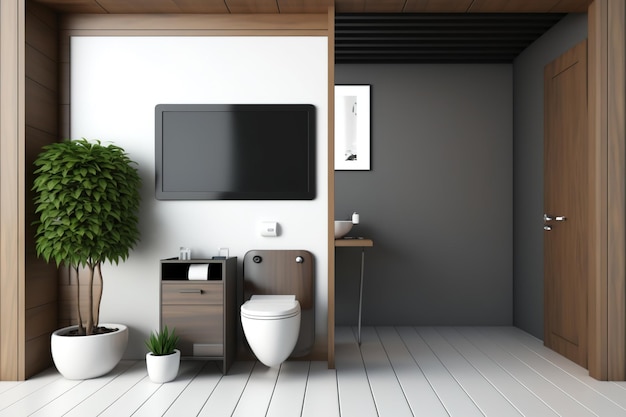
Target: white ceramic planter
[(163, 368), (84, 357)]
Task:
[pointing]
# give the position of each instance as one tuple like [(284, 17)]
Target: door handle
[(547, 218)]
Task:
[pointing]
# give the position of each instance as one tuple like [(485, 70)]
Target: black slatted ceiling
[(437, 38)]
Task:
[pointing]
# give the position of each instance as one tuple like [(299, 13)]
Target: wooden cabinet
[(203, 312)]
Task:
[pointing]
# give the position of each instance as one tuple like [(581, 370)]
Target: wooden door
[(566, 193)]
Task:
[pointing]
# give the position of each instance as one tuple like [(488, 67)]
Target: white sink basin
[(342, 228)]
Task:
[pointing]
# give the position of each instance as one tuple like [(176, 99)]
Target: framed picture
[(352, 127)]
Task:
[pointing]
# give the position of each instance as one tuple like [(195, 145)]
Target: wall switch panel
[(269, 229)]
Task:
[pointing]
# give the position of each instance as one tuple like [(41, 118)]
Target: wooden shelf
[(354, 243)]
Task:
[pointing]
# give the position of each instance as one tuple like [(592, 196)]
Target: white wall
[(115, 84)]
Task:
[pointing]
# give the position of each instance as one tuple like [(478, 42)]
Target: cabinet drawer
[(192, 293), (199, 327)]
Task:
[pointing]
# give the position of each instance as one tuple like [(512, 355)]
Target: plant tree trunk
[(90, 298), (81, 328), (97, 292)]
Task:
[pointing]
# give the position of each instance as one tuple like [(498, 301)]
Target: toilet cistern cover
[(271, 306)]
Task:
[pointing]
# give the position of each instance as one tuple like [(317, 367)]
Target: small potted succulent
[(162, 359)]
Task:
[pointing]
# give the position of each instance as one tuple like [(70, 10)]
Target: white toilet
[(278, 315), (271, 324)]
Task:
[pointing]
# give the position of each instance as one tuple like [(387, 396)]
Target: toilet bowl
[(271, 325)]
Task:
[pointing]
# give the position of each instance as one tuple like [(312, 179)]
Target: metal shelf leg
[(361, 294)]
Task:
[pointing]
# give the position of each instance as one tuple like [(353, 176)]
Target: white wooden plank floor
[(397, 371)]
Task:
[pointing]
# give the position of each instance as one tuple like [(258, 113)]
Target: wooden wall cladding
[(41, 126), (617, 185), (607, 101), (314, 6), (11, 190)]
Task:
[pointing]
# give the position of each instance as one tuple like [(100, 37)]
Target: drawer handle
[(191, 291)]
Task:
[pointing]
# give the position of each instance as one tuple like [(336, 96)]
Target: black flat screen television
[(235, 151)]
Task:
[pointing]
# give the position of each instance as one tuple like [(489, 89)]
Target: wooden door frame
[(607, 245)]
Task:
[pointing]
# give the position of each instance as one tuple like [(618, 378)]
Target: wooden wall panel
[(314, 6), (241, 24), (41, 68), (616, 115), (76, 6), (597, 320), (571, 6), (39, 116), (249, 6), (39, 321), (37, 356), (11, 189), (437, 6), (363, 6), (41, 30), (40, 125), (304, 6), (607, 124), (40, 288)]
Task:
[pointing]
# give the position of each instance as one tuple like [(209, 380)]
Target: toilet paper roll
[(198, 271)]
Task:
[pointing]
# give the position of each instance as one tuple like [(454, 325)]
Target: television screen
[(235, 151)]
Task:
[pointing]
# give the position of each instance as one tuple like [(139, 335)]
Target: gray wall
[(528, 167), (437, 201)]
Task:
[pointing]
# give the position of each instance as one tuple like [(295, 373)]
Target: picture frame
[(352, 127)]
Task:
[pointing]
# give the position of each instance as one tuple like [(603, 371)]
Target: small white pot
[(84, 357), (163, 368)]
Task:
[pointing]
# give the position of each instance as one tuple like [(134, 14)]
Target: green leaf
[(52, 183), (86, 197), (162, 343)]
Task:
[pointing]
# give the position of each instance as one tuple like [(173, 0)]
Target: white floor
[(398, 371)]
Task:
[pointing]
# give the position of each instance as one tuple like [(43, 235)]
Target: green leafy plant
[(163, 342), (87, 199)]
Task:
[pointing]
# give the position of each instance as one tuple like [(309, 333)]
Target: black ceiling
[(437, 38)]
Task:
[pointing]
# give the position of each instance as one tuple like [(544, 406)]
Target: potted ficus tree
[(87, 202), (162, 359)]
